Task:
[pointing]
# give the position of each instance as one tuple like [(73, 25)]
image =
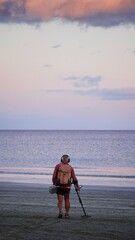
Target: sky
[(67, 64)]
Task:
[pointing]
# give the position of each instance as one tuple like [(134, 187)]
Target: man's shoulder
[(57, 166), (70, 167), (62, 165)]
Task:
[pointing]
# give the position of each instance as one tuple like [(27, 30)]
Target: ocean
[(104, 158)]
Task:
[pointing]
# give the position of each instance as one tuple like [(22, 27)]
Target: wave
[(78, 175)]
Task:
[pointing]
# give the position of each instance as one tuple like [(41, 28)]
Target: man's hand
[(77, 187)]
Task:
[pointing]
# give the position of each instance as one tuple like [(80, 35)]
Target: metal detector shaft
[(80, 200)]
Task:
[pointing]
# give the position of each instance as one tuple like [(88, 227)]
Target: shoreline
[(29, 211), (85, 181), (7, 185)]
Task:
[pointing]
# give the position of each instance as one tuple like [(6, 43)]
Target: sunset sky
[(67, 64)]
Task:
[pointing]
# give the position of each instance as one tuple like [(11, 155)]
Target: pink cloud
[(91, 12), (75, 8)]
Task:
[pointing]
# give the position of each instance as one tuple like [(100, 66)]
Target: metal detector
[(85, 215)]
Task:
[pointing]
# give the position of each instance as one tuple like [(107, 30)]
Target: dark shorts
[(63, 191)]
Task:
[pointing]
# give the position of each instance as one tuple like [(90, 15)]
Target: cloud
[(88, 86), (56, 46), (104, 94), (12, 10), (47, 65), (110, 94), (103, 13), (84, 81)]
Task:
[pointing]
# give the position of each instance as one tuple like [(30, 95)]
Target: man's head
[(65, 158)]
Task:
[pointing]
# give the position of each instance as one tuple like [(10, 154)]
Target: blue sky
[(67, 66)]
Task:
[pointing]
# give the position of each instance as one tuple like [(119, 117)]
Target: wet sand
[(28, 211)]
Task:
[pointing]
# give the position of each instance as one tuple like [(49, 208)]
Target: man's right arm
[(75, 181)]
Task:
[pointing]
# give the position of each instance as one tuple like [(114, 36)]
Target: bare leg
[(60, 201), (67, 203)]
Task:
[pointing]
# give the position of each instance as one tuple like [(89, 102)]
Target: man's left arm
[(54, 177)]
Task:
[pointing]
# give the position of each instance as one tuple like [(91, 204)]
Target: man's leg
[(67, 203), (60, 201)]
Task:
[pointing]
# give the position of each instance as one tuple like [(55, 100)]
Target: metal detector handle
[(77, 192)]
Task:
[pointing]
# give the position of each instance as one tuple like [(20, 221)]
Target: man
[(62, 176)]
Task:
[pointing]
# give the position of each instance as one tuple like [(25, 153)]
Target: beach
[(29, 211)]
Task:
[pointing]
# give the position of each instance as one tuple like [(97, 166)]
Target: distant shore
[(28, 211)]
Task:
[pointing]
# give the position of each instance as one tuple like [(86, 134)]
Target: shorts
[(63, 191)]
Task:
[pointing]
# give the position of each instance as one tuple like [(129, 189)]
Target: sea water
[(98, 157)]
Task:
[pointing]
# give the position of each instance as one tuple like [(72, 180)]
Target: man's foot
[(66, 215), (60, 215)]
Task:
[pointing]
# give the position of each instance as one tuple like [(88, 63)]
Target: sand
[(28, 211)]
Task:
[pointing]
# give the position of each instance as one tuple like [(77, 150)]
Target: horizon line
[(36, 129)]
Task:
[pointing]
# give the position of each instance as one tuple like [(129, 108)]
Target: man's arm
[(75, 181), (54, 177)]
